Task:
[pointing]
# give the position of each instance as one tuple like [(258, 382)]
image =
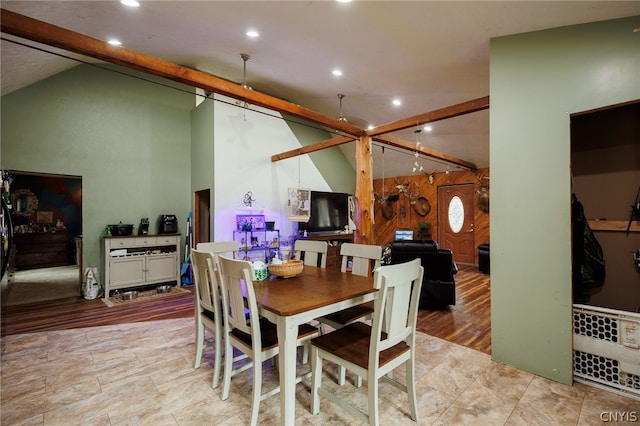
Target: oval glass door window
[(456, 214)]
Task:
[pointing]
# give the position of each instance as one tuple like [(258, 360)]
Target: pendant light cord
[(383, 172)]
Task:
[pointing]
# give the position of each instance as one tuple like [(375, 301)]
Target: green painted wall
[(128, 139), (537, 80), (202, 152), (202, 135), (331, 162)]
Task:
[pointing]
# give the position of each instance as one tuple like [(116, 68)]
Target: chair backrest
[(365, 258), (206, 283), (395, 306), (313, 252), (220, 247), (238, 296)]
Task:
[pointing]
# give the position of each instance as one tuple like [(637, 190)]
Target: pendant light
[(416, 165), (383, 197), (385, 201), (341, 117), (245, 57)]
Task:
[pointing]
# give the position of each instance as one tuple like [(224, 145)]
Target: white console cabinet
[(135, 261)]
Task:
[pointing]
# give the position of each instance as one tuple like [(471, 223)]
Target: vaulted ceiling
[(427, 54)]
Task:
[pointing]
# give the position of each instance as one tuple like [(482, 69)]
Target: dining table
[(289, 302)]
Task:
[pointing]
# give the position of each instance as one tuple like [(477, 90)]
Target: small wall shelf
[(614, 225)]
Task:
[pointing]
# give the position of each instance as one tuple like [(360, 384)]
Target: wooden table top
[(311, 289)]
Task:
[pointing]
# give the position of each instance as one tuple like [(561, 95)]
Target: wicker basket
[(286, 269)]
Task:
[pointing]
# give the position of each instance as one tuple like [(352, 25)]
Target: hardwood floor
[(468, 323), (76, 312)]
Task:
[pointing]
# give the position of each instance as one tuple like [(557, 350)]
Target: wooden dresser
[(41, 250)]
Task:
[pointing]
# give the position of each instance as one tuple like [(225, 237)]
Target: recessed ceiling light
[(114, 42), (396, 102), (427, 128), (130, 3), (343, 1), (336, 72), (253, 33), (370, 127)]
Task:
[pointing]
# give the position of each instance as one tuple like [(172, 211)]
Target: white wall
[(244, 142)]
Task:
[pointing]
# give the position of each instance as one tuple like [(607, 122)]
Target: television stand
[(334, 240), (324, 233)]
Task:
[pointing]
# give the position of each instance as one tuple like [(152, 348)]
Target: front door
[(455, 221)]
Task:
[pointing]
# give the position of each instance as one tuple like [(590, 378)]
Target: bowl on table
[(286, 269)]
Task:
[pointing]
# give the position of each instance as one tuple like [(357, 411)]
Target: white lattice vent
[(606, 345)]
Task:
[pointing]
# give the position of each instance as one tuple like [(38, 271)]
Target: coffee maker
[(167, 224), (143, 228)]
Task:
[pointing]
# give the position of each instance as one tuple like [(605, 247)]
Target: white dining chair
[(359, 259), (254, 336), (220, 247), (208, 314), (313, 253), (363, 260), (208, 310), (374, 351)]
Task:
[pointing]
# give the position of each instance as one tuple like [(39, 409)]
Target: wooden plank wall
[(384, 229)]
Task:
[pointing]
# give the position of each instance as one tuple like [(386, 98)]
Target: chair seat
[(349, 315), (351, 343), (269, 334), (208, 314)]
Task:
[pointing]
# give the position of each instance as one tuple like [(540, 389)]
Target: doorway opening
[(202, 216), (605, 172), (605, 234), (46, 222)]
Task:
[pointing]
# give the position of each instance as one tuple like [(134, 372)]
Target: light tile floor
[(142, 374)]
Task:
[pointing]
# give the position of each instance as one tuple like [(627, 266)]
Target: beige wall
[(605, 165)]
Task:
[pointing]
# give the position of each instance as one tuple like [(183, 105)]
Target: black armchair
[(438, 283), (483, 259)]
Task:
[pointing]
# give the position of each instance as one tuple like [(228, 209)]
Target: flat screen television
[(329, 213)]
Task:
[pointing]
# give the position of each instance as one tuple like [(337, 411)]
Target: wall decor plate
[(422, 206)]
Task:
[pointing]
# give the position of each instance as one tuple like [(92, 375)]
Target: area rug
[(39, 285), (143, 296)]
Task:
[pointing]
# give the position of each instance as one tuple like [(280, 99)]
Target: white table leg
[(287, 336)]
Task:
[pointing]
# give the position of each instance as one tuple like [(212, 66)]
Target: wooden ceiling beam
[(427, 152), (379, 133), (51, 35), (431, 116), (327, 143)]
